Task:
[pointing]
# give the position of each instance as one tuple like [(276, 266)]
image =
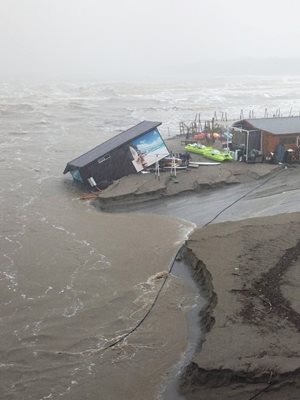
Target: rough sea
[(74, 279)]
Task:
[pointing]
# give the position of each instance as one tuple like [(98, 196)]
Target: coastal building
[(266, 135), (127, 153)]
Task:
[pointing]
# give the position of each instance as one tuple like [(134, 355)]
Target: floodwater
[(74, 280)]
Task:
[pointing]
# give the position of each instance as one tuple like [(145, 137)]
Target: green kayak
[(209, 152), (196, 148)]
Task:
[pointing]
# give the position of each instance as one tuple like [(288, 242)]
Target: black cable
[(261, 391), (172, 264), (240, 198), (149, 310), (215, 217)]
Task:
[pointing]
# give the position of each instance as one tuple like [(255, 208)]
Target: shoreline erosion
[(251, 320), (246, 348), (139, 189)]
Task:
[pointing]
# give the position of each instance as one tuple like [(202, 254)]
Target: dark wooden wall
[(271, 141), (115, 167)]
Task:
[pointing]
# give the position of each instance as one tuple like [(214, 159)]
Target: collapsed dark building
[(127, 153)]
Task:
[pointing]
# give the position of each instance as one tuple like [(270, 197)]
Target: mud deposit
[(252, 343)]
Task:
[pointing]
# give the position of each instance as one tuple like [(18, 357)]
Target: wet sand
[(249, 273)]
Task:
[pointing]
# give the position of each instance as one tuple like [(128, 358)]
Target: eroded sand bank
[(145, 188), (248, 271)]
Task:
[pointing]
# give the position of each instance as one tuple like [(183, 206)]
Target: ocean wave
[(13, 108), (18, 133)]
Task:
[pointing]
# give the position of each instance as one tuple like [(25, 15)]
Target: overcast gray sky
[(113, 39)]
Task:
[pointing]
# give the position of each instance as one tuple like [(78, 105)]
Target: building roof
[(111, 144), (276, 126)]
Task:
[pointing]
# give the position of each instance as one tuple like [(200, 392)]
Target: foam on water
[(62, 281)]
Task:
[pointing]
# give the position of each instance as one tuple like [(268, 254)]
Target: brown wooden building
[(265, 134)]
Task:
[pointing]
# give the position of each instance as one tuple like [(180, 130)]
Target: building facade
[(127, 153), (265, 135)]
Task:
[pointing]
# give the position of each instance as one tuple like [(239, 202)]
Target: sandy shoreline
[(249, 273)]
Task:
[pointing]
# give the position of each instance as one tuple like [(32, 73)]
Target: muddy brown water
[(73, 280), (66, 298)]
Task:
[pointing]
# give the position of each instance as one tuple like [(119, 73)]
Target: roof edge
[(155, 124)]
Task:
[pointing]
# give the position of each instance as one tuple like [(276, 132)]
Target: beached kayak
[(209, 152), (196, 148)]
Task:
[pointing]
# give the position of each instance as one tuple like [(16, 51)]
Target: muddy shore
[(249, 273)]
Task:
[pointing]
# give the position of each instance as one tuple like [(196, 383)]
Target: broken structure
[(127, 153)]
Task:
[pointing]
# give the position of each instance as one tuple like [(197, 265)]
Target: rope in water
[(132, 330), (120, 339)]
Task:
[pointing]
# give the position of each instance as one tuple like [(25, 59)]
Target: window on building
[(104, 158), (288, 140)]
